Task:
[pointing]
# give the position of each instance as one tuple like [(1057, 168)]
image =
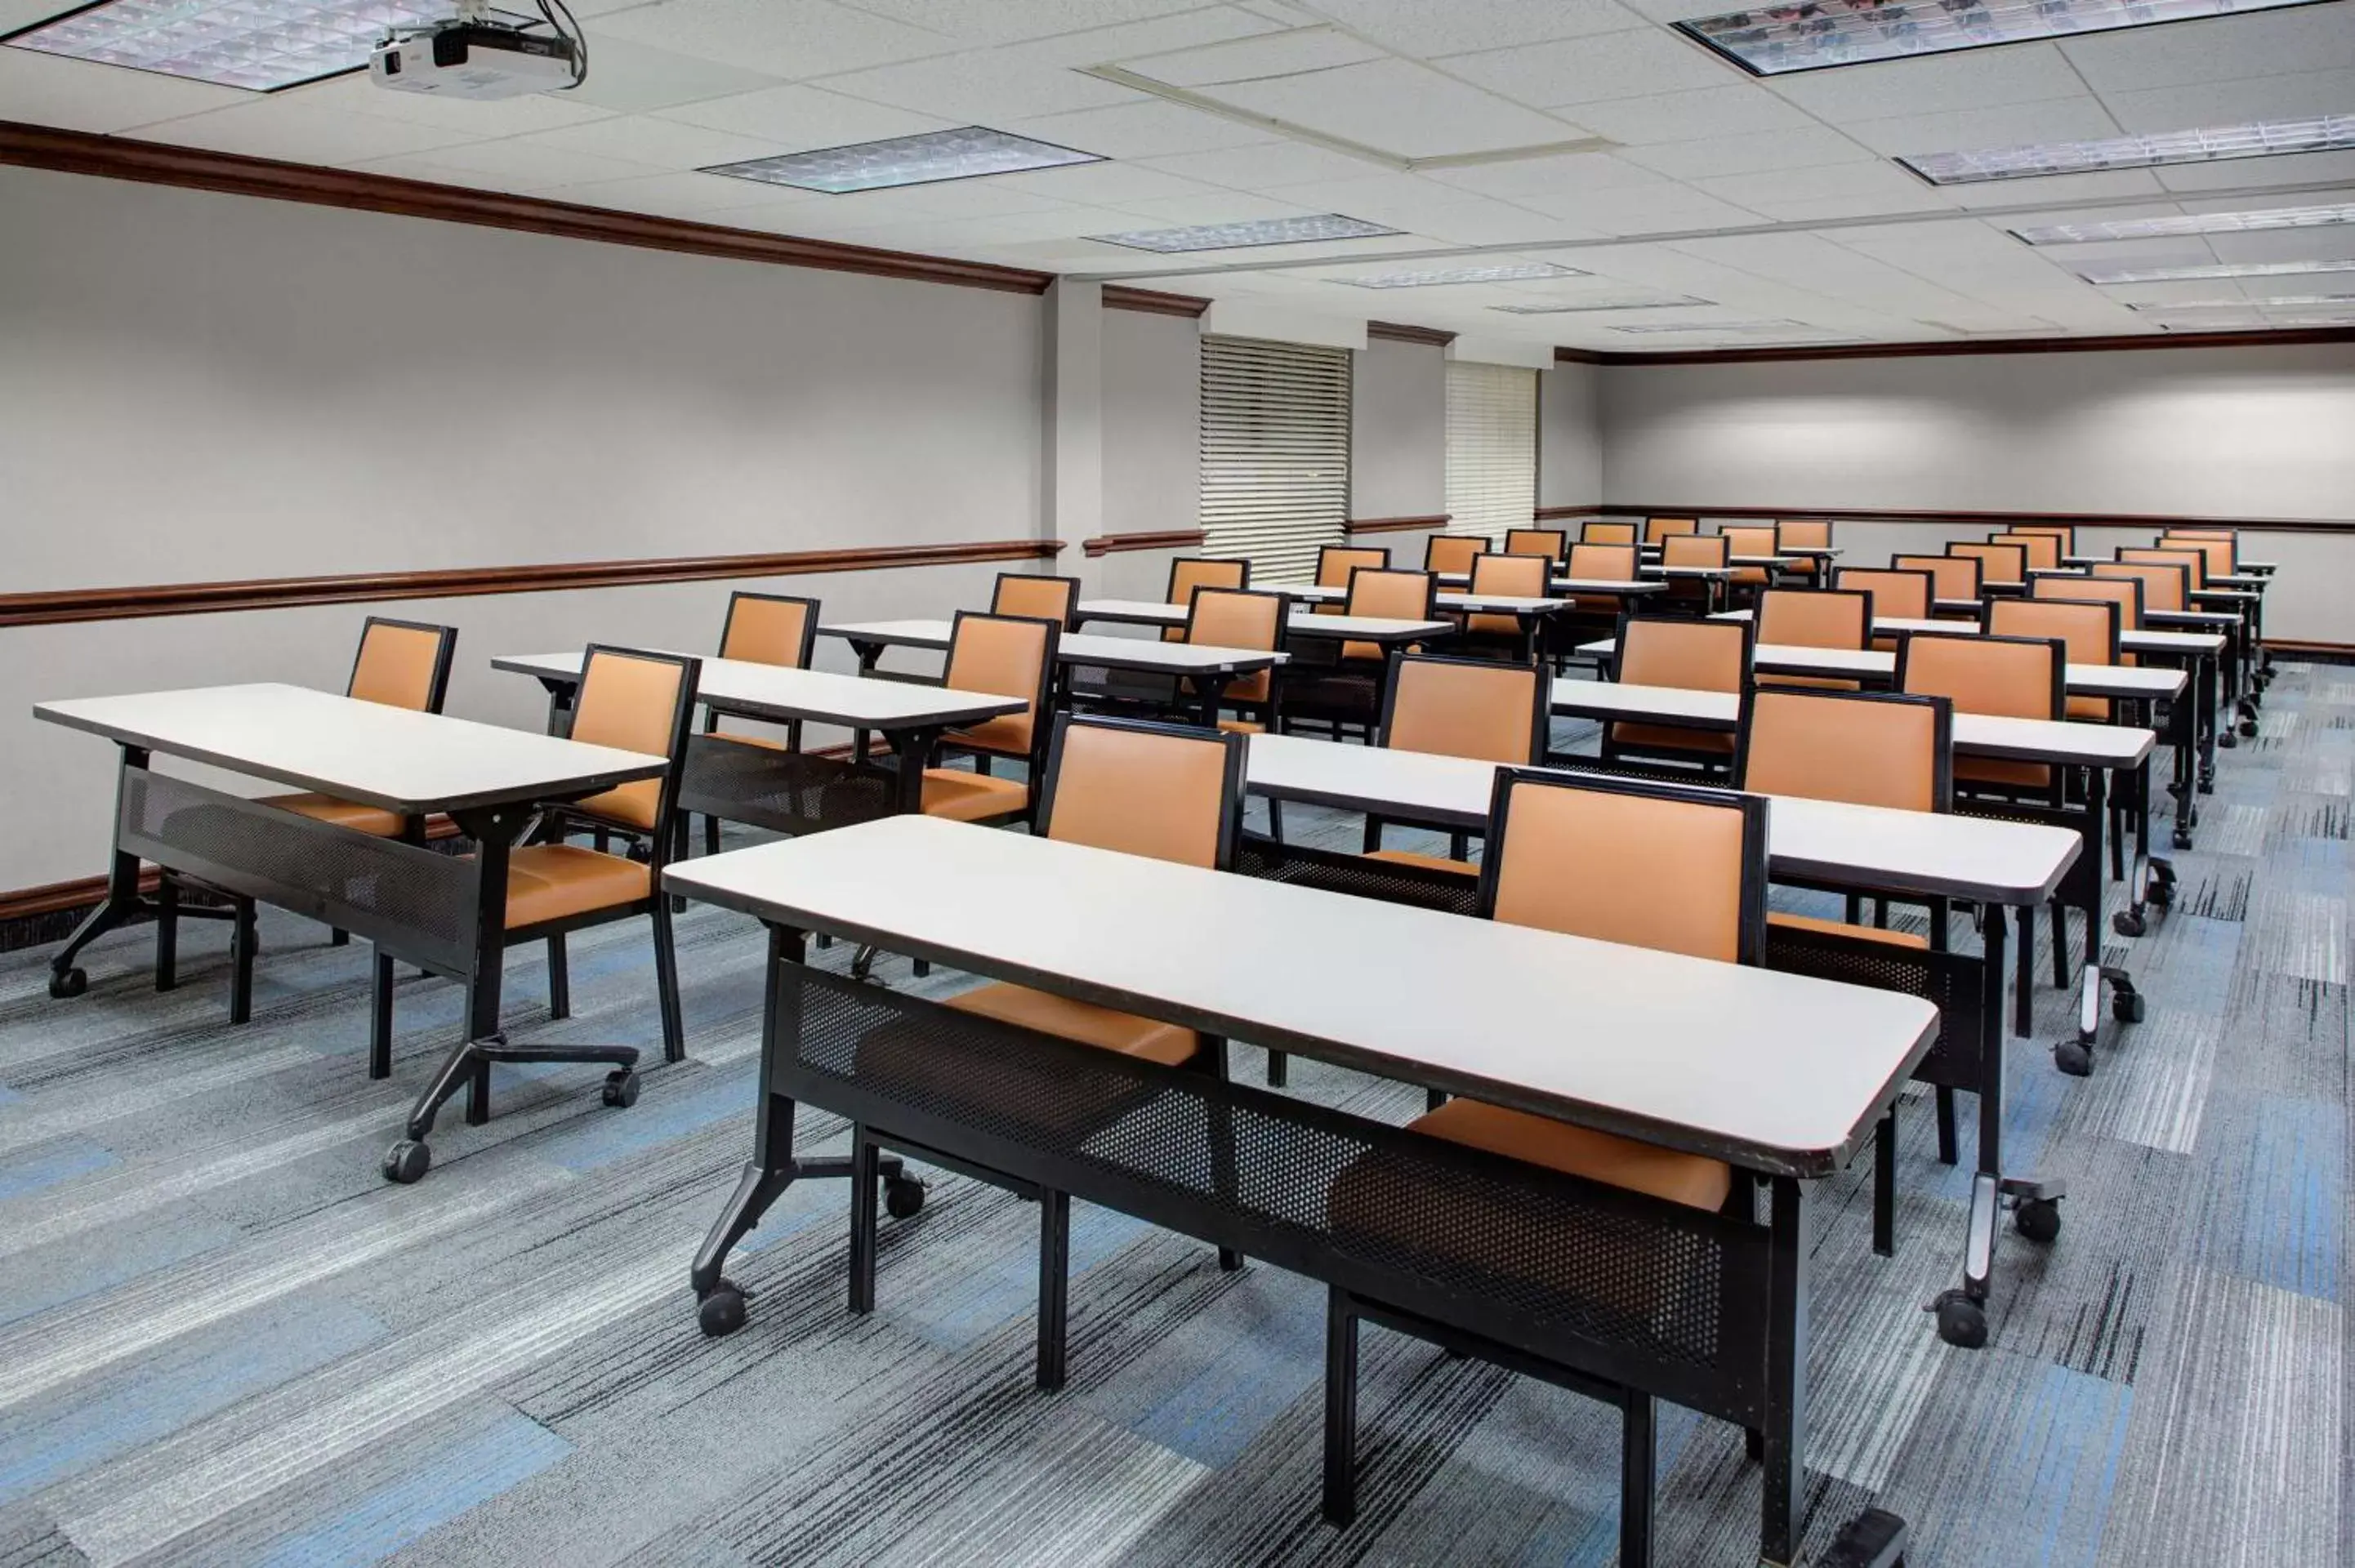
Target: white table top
[(1776, 1072), (2129, 642), (2071, 745), (2129, 681), (1653, 569), (770, 691), (1153, 612), (1869, 848), (1620, 585), (1076, 647), (1366, 628), (393, 758), (2216, 617)]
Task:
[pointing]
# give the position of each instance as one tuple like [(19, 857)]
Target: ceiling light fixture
[(1811, 36), (1517, 272), (967, 152), (2207, 145), (261, 46), (2272, 303), (1675, 302), (1240, 235), (2209, 272), (2188, 223)]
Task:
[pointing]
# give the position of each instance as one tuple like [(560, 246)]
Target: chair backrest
[(2123, 592), (637, 700), (2219, 552), (2201, 534), (1507, 577), (1453, 552), (2165, 584), (1624, 860), (1239, 617), (2043, 549), (2066, 533), (1480, 708), (1694, 550), (1998, 563), (1548, 542), (1660, 530), (1006, 656), (1953, 576), (1895, 595), (1336, 562), (1167, 791), (1191, 572), (2007, 677), (1679, 651), (1600, 533), (1393, 593), (1815, 618), (1601, 562), (2087, 630), (2191, 556), (1749, 538), (1868, 748), (770, 629), (1047, 599), (403, 664), (1804, 534)]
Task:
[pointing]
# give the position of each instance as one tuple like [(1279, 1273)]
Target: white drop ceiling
[(1585, 133)]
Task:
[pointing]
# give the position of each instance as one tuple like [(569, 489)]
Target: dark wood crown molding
[(2287, 337), (278, 593), (1394, 331), (1168, 539), (2153, 520), (1556, 513), (1357, 525), (192, 168), (1152, 302)]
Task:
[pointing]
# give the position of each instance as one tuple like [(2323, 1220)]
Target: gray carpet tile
[(225, 1340)]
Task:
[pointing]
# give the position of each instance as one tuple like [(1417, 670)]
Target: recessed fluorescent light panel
[(2188, 223), (1678, 302), (967, 152), (258, 45), (1243, 235), (1810, 36), (2209, 272), (2272, 303), (2209, 144), (1521, 273)]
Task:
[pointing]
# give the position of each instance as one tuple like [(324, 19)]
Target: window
[(1275, 453), (1492, 448)]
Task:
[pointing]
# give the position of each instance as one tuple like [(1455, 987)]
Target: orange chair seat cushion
[(1809, 684), (2095, 709), (1673, 738), (1842, 928), (963, 797), (1998, 770), (373, 821), (1428, 862), (1102, 1027), (767, 742), (556, 882), (1581, 1151), (1242, 726)]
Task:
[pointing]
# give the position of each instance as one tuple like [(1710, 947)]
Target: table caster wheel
[(2225, 741), (2161, 893), (721, 1311), (2127, 1007), (2182, 839), (64, 984), (2126, 922), (2038, 1219), (903, 1197), (2073, 1057), (406, 1162), (621, 1089), (1962, 1322), (2248, 728)]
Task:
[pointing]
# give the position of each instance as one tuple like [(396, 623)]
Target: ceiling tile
[(2301, 169), (690, 196), (2184, 54), (1587, 70), (1008, 21), (1559, 175), (1147, 130), (982, 88), (532, 167), (1750, 154), (1223, 206), (1255, 58), (480, 121), (633, 79), (1107, 185), (1461, 27), (79, 95), (1401, 107), (795, 39), (1978, 79), (281, 128), (796, 119), (1492, 223), (1183, 30), (1867, 187), (646, 139), (2242, 102), (1694, 115), (2058, 189), (1266, 164), (2079, 118), (1653, 209)]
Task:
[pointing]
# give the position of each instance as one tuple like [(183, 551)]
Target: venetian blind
[(1275, 453), (1492, 448)]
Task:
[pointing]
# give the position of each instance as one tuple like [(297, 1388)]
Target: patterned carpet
[(225, 1340)]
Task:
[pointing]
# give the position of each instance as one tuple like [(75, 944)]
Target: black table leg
[(561, 694), (2210, 674), (123, 899), (2075, 1057), (1787, 1375)]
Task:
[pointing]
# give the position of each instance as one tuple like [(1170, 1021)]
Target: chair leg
[(1884, 1185), (2025, 962), (1637, 1474), (1054, 1287), (1340, 1409), (1373, 834), (245, 934), (1275, 819), (865, 1177), (167, 934), (559, 980), (1459, 845), (338, 938), (1433, 1099), (711, 835), (380, 1016), (1854, 915), (2060, 945), (1279, 1069), (673, 1024), (1945, 1097)]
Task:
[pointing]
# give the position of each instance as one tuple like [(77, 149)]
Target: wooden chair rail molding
[(1357, 525), (1945, 347), (1152, 302), (1168, 539), (463, 582), (1989, 517)]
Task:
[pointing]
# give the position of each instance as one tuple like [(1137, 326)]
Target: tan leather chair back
[(1805, 617), (1237, 618), (1464, 707), (2123, 592), (1453, 553), (1336, 562), (1607, 533), (1548, 542), (2000, 676), (1697, 655), (1998, 563), (769, 629), (630, 704), (1693, 550), (1386, 593), (2217, 552), (1660, 530), (1620, 867), (2163, 582), (2064, 532), (2043, 549), (1749, 539), (2191, 556), (2088, 631), (1954, 576), (1804, 534), (1601, 562), (1006, 657), (401, 664), (1508, 577), (1868, 749), (1895, 595), (1044, 598), (1195, 571), (1145, 790)]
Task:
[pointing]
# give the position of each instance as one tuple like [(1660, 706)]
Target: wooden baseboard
[(2152, 520)]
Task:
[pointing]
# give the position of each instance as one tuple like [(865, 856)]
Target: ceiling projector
[(473, 58)]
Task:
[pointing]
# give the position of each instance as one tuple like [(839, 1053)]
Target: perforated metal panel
[(1360, 877), (785, 791), (1948, 981)]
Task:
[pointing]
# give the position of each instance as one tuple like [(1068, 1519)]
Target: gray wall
[(1152, 447), (1398, 433), (1570, 438), (201, 387)]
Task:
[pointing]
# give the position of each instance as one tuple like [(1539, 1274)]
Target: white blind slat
[(1275, 453), (1492, 448)]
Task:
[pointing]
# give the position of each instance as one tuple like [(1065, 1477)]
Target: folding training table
[(2100, 749), (445, 914), (1663, 1047)]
